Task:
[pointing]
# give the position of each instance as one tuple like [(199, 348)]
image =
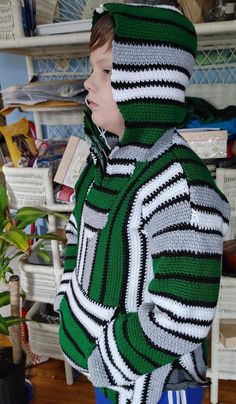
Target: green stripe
[(158, 31), (157, 112), (77, 333), (187, 290)]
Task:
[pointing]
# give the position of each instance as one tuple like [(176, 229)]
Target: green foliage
[(14, 242)]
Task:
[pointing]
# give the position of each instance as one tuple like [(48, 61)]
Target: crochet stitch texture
[(142, 267)]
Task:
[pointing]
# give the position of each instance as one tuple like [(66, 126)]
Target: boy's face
[(105, 112)]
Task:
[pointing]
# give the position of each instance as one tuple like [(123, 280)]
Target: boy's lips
[(92, 104)]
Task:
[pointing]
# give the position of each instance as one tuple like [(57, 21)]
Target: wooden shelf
[(65, 45), (76, 44)]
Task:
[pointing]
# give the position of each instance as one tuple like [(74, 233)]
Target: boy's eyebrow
[(101, 60)]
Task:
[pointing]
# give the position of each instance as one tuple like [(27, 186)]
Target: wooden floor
[(50, 387), (48, 380)]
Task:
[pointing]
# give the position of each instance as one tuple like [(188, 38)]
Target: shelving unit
[(213, 39)]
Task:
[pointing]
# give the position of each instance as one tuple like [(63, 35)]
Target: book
[(228, 335), (72, 162), (64, 27)]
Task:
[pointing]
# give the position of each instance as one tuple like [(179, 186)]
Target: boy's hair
[(102, 32)]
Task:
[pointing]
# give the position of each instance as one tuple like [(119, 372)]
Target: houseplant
[(14, 242)]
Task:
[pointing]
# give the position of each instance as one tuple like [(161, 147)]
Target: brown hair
[(102, 32)]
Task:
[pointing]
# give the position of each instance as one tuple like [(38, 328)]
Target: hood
[(154, 51)]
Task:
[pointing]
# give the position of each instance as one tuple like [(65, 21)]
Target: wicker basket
[(10, 20), (43, 338), (226, 181), (28, 186)]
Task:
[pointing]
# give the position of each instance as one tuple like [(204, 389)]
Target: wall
[(13, 71)]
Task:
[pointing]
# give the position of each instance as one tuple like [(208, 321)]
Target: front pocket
[(92, 222)]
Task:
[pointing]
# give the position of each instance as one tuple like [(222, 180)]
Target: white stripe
[(148, 75), (170, 397), (101, 312), (179, 188), (120, 169), (177, 397), (116, 355), (160, 92), (182, 310), (187, 362), (138, 390), (120, 380), (189, 329), (183, 397), (206, 220), (91, 326)]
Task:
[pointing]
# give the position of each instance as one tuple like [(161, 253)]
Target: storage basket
[(10, 20), (28, 186), (43, 338), (226, 181)]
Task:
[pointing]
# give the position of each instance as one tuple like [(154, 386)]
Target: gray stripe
[(156, 384), (187, 363), (139, 153), (93, 218), (209, 197), (154, 54), (186, 240), (163, 339), (88, 265), (200, 363), (174, 215)]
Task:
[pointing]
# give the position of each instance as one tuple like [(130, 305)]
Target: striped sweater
[(142, 267)]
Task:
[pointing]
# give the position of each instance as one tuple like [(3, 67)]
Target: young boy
[(142, 266)]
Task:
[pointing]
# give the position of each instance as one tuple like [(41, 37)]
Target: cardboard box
[(228, 335), (207, 144), (72, 162)]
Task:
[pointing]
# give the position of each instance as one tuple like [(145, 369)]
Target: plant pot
[(12, 378)]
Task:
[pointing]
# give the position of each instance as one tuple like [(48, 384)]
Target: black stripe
[(185, 226), (171, 181), (136, 41), (121, 161), (72, 341), (110, 354), (147, 84), (181, 300), (72, 224), (182, 320), (165, 205), (153, 66), (154, 101), (160, 21), (207, 209), (105, 190), (158, 125), (186, 254), (189, 278), (93, 207), (177, 334)]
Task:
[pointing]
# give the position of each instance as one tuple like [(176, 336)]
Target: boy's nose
[(88, 84)]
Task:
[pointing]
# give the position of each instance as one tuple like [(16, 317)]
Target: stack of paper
[(42, 91)]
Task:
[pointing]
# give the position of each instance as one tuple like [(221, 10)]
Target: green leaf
[(45, 256), (48, 236), (3, 326), (29, 215), (17, 238), (3, 205), (12, 320), (4, 298)]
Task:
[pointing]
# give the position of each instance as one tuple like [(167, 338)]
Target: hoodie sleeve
[(185, 238)]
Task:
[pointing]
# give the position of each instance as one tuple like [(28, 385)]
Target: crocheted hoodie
[(142, 266)]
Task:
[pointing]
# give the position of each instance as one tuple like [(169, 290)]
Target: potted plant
[(14, 242)]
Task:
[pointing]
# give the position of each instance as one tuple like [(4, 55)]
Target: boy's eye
[(107, 71)]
